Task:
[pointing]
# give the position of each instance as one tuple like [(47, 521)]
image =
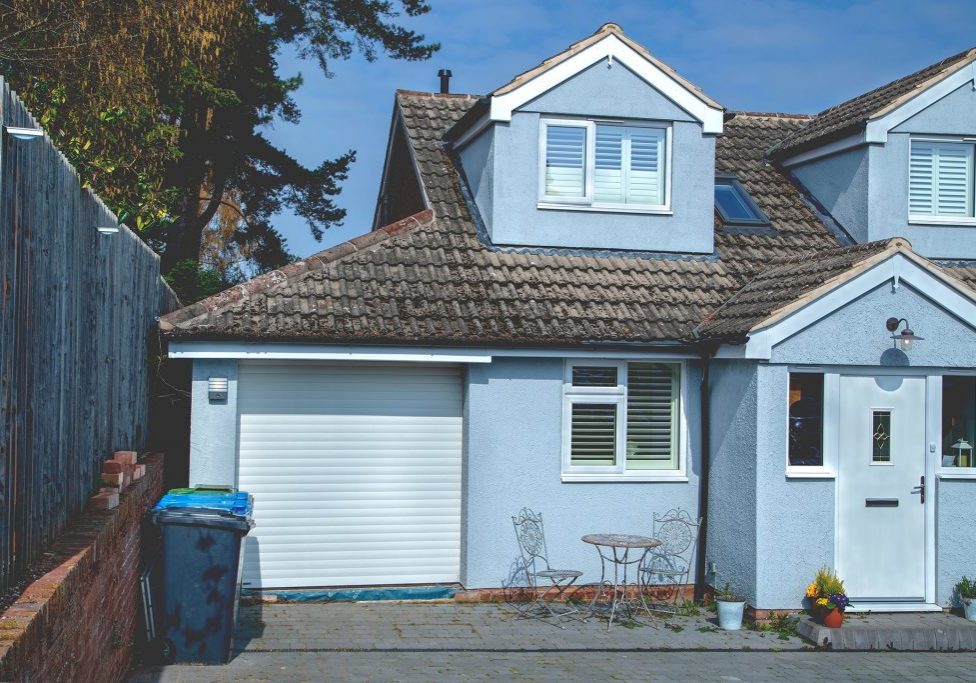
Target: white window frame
[(618, 396), (920, 219), (587, 202), (828, 426)]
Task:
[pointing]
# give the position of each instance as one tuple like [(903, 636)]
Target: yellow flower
[(812, 590), (822, 602)]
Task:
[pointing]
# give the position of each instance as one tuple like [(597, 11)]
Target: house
[(598, 293)]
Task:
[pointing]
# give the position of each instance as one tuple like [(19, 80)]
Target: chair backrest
[(678, 533), (531, 537)]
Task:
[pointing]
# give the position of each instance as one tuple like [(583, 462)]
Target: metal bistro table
[(621, 551)]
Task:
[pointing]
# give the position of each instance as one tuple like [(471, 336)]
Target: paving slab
[(933, 631), (377, 641)]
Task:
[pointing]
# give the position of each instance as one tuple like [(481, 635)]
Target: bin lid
[(202, 517), (239, 503)]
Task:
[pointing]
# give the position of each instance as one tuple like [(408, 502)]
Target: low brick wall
[(78, 622)]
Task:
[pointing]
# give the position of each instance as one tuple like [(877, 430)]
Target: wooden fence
[(77, 329)]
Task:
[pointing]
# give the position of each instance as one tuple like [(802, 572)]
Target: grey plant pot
[(969, 608), (730, 615)]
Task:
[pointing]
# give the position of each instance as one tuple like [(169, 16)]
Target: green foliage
[(193, 282), (728, 594), (783, 625), (688, 608), (161, 105), (966, 588), (827, 582)]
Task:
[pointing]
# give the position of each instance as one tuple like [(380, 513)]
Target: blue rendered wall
[(503, 172), (213, 426), (878, 208), (796, 516), (855, 334), (512, 460), (840, 184), (731, 546)]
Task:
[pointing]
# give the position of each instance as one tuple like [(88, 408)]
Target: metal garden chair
[(669, 564), (531, 537)]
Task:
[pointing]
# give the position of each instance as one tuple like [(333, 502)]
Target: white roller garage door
[(355, 470)]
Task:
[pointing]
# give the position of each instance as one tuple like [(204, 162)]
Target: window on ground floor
[(958, 421), (805, 421), (621, 418)]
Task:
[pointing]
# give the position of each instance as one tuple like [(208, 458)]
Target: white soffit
[(609, 48), (897, 269)]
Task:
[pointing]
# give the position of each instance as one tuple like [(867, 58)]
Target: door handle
[(920, 489)]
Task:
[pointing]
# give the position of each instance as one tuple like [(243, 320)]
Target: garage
[(355, 470)]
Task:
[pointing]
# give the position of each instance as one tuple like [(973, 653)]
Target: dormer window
[(734, 205), (940, 181), (604, 166)]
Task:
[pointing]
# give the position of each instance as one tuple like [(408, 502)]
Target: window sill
[(811, 473), (944, 221), (677, 477), (963, 473), (550, 206)]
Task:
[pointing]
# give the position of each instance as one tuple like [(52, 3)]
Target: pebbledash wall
[(866, 188), (513, 434), (502, 168), (768, 533), (512, 459)]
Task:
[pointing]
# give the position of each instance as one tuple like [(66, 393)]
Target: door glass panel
[(958, 421), (881, 437)]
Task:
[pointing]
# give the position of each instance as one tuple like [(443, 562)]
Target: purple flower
[(840, 600)]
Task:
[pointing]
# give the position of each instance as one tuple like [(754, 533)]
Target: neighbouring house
[(597, 293)]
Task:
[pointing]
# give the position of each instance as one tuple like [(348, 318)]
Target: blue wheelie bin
[(202, 539)]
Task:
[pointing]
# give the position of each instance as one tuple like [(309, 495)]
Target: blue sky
[(755, 55)]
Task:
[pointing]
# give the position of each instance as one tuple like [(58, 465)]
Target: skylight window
[(735, 206)]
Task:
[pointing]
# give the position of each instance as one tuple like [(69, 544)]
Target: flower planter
[(832, 618), (730, 615), (969, 608)]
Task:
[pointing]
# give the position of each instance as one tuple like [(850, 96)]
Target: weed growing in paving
[(783, 625), (688, 608)]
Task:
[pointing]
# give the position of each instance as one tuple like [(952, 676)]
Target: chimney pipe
[(445, 76)]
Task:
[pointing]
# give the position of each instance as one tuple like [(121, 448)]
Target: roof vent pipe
[(445, 76)]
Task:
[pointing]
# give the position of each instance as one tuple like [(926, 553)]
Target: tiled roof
[(784, 281), (434, 279), (850, 117)]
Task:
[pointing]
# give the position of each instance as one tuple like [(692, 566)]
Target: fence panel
[(76, 327)]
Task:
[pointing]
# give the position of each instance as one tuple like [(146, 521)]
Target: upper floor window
[(940, 181), (604, 165)]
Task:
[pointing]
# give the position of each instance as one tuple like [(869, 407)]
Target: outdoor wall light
[(108, 229), (217, 388), (904, 339), (23, 133)]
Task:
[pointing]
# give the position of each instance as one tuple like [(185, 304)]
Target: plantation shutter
[(565, 161), (608, 174), (629, 165), (940, 179), (652, 416), (593, 434)]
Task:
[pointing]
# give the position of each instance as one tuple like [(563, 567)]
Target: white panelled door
[(355, 470), (881, 510)]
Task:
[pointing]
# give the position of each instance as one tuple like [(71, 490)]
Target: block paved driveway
[(373, 641)]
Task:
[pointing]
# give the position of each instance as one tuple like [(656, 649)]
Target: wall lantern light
[(217, 388), (904, 339), (23, 133), (108, 229)]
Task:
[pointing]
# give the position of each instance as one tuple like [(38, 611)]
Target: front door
[(881, 511)]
